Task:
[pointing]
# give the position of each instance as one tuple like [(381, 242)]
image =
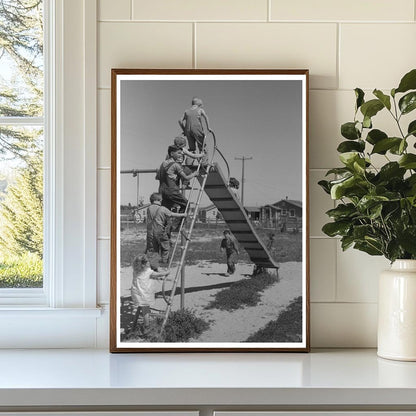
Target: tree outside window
[(21, 143)]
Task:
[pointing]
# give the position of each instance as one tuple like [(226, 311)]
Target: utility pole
[(243, 159)]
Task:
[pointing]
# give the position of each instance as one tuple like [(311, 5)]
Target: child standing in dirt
[(142, 289), (192, 126), (158, 240), (229, 245)]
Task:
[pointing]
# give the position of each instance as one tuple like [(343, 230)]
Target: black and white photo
[(209, 211)]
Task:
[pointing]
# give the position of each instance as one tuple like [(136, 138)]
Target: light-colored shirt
[(142, 288)]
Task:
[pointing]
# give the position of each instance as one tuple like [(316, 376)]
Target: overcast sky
[(259, 119)]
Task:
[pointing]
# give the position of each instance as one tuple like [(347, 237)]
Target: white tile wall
[(104, 128), (357, 275), (104, 202), (341, 10), (145, 45), (376, 55), (350, 325), (114, 10), (323, 269), (345, 44), (271, 45), (103, 270), (200, 10)]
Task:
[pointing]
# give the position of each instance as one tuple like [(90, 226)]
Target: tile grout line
[(345, 302), (338, 63), (306, 22), (336, 271), (131, 9), (194, 62)]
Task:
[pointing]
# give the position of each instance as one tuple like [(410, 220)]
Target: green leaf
[(336, 228), (398, 149), (385, 99), (361, 231), (346, 242), (375, 136), (393, 250), (408, 161), (342, 211), (338, 171), (359, 165), (411, 130), (371, 108), (367, 122), (391, 170), (408, 102), (348, 158), (383, 145), (338, 189), (369, 201), (349, 131), (375, 212), (359, 95), (407, 240), (349, 146), (408, 82), (325, 186), (368, 248)]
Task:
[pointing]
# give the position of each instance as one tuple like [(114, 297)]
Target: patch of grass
[(242, 293), (24, 271), (182, 325), (286, 246), (286, 328), (205, 245)]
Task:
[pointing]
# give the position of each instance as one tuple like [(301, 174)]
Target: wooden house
[(285, 215), (210, 215)]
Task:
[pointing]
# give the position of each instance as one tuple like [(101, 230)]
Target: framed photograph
[(209, 211)]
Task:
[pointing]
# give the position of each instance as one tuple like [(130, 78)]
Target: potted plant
[(376, 206)]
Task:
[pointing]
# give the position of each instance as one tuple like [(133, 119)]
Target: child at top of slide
[(192, 126)]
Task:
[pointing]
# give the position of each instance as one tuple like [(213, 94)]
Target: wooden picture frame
[(192, 291)]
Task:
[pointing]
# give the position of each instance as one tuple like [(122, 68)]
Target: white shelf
[(335, 378)]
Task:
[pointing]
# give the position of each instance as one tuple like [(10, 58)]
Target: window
[(22, 128), (291, 213), (284, 212), (64, 312)]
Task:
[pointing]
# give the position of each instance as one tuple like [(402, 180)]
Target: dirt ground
[(205, 279)]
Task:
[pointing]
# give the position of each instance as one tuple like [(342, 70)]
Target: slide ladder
[(184, 235)]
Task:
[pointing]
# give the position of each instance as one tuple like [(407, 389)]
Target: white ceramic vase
[(397, 312)]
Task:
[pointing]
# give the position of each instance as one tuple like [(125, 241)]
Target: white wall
[(345, 44)]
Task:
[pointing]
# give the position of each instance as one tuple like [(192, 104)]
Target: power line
[(243, 159)]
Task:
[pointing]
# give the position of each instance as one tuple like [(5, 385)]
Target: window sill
[(37, 311), (324, 379), (39, 327)]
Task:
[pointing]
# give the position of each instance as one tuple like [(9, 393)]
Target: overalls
[(172, 197)]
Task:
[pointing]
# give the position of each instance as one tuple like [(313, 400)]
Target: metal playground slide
[(235, 216)]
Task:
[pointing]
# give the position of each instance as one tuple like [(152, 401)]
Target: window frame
[(36, 296), (70, 228)]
